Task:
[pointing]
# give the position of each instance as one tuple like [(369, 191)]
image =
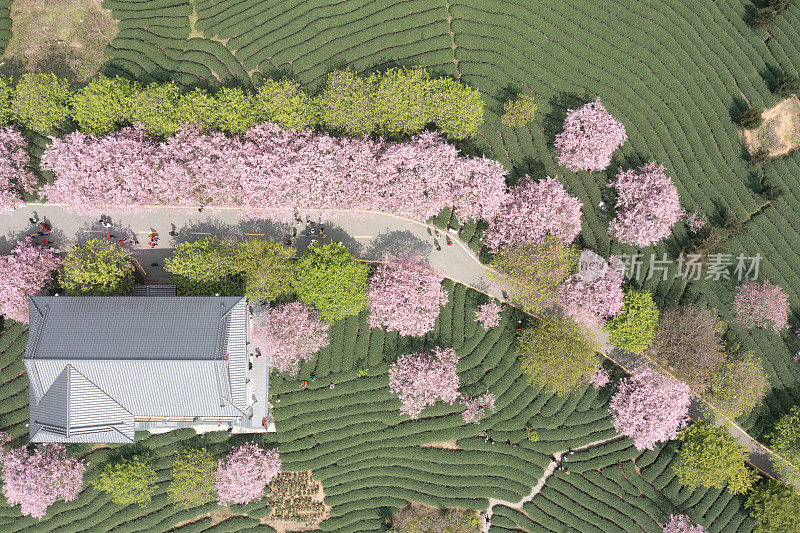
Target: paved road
[(367, 235)]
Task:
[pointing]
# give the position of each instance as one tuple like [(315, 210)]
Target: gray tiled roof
[(76, 410), (126, 327), (92, 359)]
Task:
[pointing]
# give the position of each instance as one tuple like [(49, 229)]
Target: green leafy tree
[(7, 95), (765, 18), (129, 481), (41, 102), (97, 268), (785, 442), (760, 158), (330, 279), (457, 108), (775, 507), (557, 354), (518, 111), (738, 385), (196, 107), (193, 478), (711, 457), (533, 273), (156, 107), (751, 118), (345, 103), (786, 85), (267, 268), (101, 106), (235, 110), (633, 330), (284, 102), (401, 100), (204, 267)]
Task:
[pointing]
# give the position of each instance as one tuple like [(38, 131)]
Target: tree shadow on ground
[(553, 120), (263, 229), (395, 242)]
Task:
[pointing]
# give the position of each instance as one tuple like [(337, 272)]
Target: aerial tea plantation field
[(371, 459), (675, 73)]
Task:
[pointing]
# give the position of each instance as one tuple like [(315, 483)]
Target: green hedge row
[(396, 102)]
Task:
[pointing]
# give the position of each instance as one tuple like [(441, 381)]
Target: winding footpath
[(368, 235)]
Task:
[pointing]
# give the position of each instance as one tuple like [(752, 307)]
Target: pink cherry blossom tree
[(289, 334), (649, 408), (15, 177), (761, 305), (488, 314), (36, 480), (243, 474), (26, 271), (591, 296), (405, 294), (648, 205), (475, 408), (681, 523), (589, 138), (531, 210), (600, 378), (271, 172), (421, 380), (696, 221)]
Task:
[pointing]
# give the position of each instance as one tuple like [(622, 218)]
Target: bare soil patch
[(447, 445), (427, 519), (65, 37), (220, 515), (780, 132)]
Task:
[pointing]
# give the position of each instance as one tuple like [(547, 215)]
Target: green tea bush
[(7, 94)]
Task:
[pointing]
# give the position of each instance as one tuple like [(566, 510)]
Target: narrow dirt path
[(542, 480)]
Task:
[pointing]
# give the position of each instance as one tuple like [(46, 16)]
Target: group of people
[(43, 229)]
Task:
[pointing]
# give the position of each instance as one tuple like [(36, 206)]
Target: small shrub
[(518, 111), (101, 106), (786, 85), (234, 110), (751, 118), (633, 330)]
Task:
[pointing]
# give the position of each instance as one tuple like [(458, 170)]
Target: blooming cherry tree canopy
[(589, 138), (648, 205), (14, 174), (243, 474), (600, 379), (25, 272), (591, 296), (405, 295), (421, 380), (475, 408), (36, 480), (761, 305), (649, 408), (488, 314), (681, 523), (268, 169), (531, 210), (288, 334)]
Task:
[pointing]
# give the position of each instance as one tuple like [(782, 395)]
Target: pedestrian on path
[(34, 219), (304, 384), (45, 227), (109, 236), (449, 242), (154, 265)]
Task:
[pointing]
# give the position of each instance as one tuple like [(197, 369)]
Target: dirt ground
[(780, 132), (447, 445), (65, 37)]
